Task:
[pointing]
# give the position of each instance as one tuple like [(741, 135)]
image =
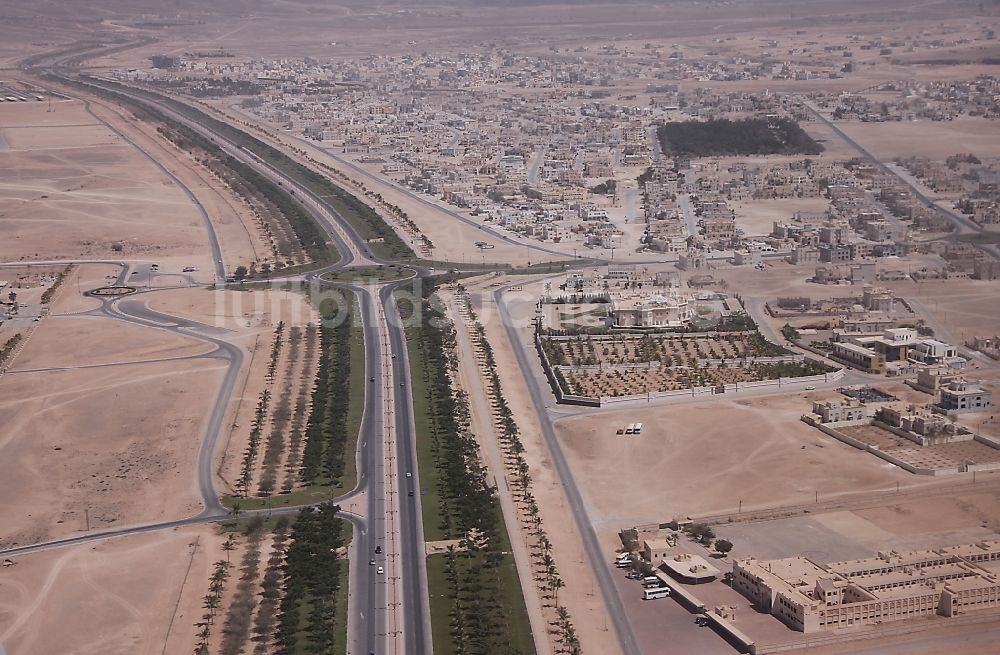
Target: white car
[(380, 570), (810, 388)]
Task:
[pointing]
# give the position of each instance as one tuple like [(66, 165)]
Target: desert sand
[(132, 595)]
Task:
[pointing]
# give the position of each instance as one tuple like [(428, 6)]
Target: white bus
[(659, 592)]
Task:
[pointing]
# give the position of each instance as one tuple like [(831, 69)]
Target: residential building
[(960, 396), (656, 311)]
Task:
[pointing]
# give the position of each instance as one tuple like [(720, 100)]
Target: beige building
[(810, 597), (960, 396), (834, 411), (659, 310)]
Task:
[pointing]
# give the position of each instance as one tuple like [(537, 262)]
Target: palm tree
[(211, 604), (557, 584)]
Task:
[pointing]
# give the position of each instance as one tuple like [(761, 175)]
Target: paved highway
[(368, 629)]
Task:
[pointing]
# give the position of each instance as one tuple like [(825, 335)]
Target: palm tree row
[(518, 474), (211, 603), (326, 429), (483, 613)]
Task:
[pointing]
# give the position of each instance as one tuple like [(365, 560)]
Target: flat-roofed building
[(689, 568), (656, 311), (656, 549), (960, 396), (892, 586), (834, 411), (858, 356)]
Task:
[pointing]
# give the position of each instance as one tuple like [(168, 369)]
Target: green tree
[(723, 546)]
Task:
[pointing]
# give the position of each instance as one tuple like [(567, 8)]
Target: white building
[(659, 310)]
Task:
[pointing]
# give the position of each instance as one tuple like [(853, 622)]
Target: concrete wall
[(557, 390), (830, 429)]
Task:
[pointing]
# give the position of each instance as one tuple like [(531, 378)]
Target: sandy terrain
[(235, 227), (58, 342), (739, 443), (756, 217), (65, 202), (234, 310), (251, 316), (138, 595), (935, 140), (120, 442)]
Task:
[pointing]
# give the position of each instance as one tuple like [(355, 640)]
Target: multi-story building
[(656, 311), (960, 396), (834, 411), (893, 586)]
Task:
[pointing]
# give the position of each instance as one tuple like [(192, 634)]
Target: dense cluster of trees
[(326, 429), (481, 613), (605, 188), (791, 369), (313, 575), (749, 136), (281, 416)]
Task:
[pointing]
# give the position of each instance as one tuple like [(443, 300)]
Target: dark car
[(378, 550)]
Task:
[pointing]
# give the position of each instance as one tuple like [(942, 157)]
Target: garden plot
[(634, 381), (669, 350)]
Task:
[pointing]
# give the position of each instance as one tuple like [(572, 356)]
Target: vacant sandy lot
[(58, 343), (757, 217), (240, 311), (120, 442), (934, 139), (705, 458), (138, 595), (74, 197)]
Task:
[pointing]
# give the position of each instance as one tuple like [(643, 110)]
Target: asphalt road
[(416, 615), (599, 560), (369, 607), (963, 224), (134, 311)]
